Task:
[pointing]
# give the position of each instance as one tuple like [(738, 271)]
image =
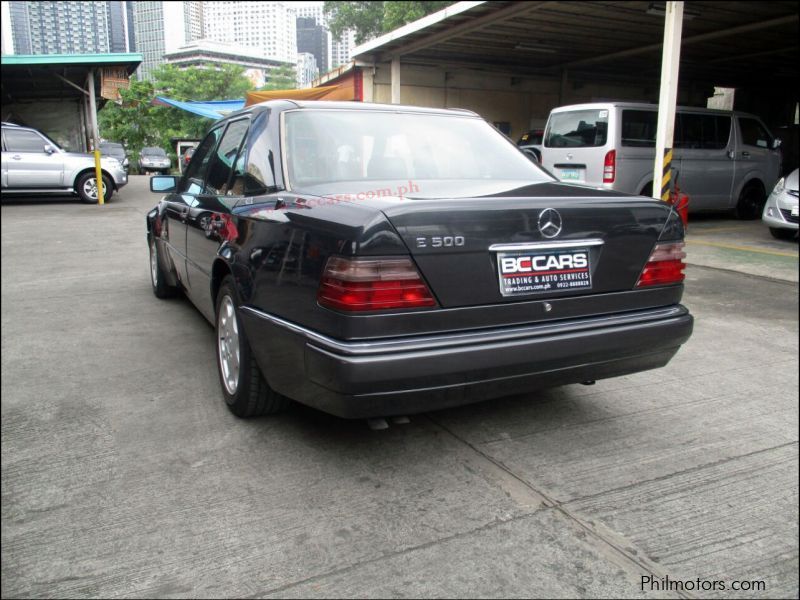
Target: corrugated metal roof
[(731, 43), (128, 59)]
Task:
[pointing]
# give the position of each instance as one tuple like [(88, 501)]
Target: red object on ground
[(681, 203)]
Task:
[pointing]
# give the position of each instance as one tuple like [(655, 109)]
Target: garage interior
[(50, 93), (513, 61)]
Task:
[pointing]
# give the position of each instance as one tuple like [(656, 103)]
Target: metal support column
[(395, 72), (670, 61), (96, 137)]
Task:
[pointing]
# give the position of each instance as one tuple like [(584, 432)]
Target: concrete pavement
[(125, 476)]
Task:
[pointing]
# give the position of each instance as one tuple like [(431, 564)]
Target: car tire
[(782, 234), (246, 391), (87, 189), (751, 202), (158, 278)]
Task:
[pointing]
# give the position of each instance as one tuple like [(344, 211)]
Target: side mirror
[(163, 183), (776, 143), (48, 149)]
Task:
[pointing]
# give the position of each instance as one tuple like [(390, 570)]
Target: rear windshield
[(328, 146), (112, 148), (577, 129), (153, 152)]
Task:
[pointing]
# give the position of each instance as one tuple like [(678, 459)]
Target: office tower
[(68, 27), (267, 26), (163, 27), (314, 39)]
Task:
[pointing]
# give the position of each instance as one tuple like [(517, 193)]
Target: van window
[(710, 132), (754, 134), (578, 129), (639, 128)]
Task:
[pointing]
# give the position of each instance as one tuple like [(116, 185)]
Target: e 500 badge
[(544, 271)]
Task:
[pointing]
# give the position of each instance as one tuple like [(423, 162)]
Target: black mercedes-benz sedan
[(372, 260)]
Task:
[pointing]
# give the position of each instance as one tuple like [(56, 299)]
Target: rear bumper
[(410, 375)]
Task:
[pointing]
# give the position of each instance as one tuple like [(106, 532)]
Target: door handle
[(17, 157), (745, 154)]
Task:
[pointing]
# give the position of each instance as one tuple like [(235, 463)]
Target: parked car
[(154, 159), (722, 160), (117, 151), (532, 141), (782, 212), (32, 163), (373, 260), (531, 137)]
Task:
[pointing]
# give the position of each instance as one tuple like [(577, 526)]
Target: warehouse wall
[(524, 102)]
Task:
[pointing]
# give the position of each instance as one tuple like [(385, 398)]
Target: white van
[(722, 160)]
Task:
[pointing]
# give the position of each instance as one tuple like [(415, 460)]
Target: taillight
[(664, 266), (610, 167), (360, 284)]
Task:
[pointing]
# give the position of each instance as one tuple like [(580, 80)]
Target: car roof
[(282, 105), (645, 105)]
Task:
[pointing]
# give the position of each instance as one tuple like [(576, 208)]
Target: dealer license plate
[(537, 271)]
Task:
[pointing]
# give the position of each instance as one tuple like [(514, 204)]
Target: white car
[(781, 210), (34, 164)]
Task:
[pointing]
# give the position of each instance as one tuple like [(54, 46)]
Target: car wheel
[(86, 187), (782, 234), (246, 392), (751, 202), (647, 190), (161, 288)]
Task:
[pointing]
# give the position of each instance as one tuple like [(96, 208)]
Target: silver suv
[(34, 164)]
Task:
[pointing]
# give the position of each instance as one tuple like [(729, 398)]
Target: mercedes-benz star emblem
[(549, 223)]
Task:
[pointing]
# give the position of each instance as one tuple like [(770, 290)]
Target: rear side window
[(196, 172), (577, 129), (222, 164), (639, 128), (709, 132), (754, 133), (23, 141)]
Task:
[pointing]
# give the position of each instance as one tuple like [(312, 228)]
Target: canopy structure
[(328, 92), (212, 109)]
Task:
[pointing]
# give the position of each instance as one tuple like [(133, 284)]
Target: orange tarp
[(328, 92)]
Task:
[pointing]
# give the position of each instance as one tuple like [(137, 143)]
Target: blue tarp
[(213, 109)]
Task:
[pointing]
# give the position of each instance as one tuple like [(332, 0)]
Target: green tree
[(281, 78), (371, 19), (131, 121), (137, 123)]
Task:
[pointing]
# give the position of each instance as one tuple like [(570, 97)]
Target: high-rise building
[(266, 26), (307, 70), (68, 27), (314, 39), (163, 27), (342, 49)]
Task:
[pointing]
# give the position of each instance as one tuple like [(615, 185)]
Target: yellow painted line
[(720, 229), (743, 248)]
